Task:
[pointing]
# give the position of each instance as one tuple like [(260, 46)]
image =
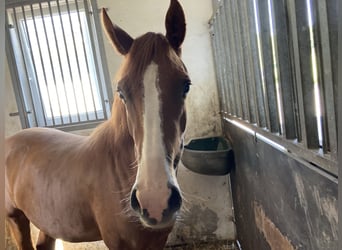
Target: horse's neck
[(115, 148)]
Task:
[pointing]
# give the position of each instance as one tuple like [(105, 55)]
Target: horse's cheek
[(183, 122)]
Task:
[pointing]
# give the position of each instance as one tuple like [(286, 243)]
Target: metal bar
[(329, 124), (34, 70), (322, 161), (319, 79), (298, 91), (286, 80), (51, 62), (86, 59), (246, 51), (215, 56), (256, 67), (218, 62), (232, 49), (317, 67), (26, 70), (222, 57), (306, 72), (101, 58), (268, 66), (59, 62), (15, 78), (276, 70), (333, 16), (18, 3), (43, 67), (229, 73), (27, 77), (77, 59), (261, 65), (227, 68), (68, 60), (241, 67), (99, 77)]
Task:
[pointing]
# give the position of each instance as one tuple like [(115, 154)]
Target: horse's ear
[(175, 25), (119, 38)]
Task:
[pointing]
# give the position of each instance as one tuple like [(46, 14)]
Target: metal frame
[(96, 51), (266, 83)]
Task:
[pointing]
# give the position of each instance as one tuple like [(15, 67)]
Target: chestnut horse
[(118, 184)]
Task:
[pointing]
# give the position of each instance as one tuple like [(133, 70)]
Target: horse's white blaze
[(153, 172)]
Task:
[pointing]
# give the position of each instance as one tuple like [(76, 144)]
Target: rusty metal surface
[(280, 200)]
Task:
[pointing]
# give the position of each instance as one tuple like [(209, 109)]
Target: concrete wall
[(287, 202), (209, 208)]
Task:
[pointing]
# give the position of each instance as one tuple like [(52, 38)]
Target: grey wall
[(280, 202)]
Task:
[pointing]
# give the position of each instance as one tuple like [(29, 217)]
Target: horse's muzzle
[(150, 211)]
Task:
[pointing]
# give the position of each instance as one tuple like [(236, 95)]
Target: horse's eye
[(186, 88), (121, 95)]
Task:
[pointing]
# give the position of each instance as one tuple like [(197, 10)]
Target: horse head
[(152, 86)]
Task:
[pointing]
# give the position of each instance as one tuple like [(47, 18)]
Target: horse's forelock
[(145, 49)]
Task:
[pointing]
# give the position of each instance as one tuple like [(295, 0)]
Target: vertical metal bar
[(27, 77), (241, 67), (301, 129), (246, 51), (267, 56), (34, 68), (86, 59), (276, 70), (68, 60), (232, 49), (230, 81), (322, 69), (333, 16), (322, 131), (329, 124), (222, 58), (227, 68), (218, 61), (233, 99), (307, 83), (101, 57), (215, 56), (43, 66), (59, 62), (262, 89), (51, 62), (256, 67), (77, 59), (15, 78), (285, 71), (88, 12)]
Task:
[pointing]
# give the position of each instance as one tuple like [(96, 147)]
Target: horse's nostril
[(175, 200), (134, 201)]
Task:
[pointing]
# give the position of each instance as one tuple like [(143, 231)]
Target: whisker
[(134, 164)]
